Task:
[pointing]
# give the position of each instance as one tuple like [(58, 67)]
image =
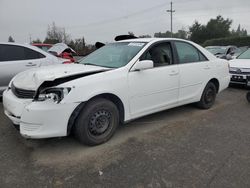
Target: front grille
[(22, 93), (240, 72), (238, 80)]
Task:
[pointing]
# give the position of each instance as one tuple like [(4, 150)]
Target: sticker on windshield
[(136, 44)]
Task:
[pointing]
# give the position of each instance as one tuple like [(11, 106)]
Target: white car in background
[(15, 58), (240, 69), (115, 84)]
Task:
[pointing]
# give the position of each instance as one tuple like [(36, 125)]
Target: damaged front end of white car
[(35, 99)]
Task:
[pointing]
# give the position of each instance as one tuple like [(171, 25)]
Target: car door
[(15, 59), (154, 89), (195, 69)]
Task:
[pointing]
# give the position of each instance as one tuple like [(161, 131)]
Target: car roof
[(14, 43), (19, 44), (151, 39)]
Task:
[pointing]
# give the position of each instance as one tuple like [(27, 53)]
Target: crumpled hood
[(240, 63), (33, 78)]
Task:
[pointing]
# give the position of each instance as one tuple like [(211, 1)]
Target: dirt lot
[(181, 147)]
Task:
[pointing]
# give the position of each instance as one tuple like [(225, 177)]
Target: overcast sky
[(101, 20)]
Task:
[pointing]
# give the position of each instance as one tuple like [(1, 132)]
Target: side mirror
[(232, 53), (228, 57), (143, 65)]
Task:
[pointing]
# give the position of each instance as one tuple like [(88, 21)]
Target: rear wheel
[(248, 97), (208, 96), (97, 122)]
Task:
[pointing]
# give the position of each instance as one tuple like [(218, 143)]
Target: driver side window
[(160, 54)]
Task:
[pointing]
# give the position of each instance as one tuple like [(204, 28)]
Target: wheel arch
[(215, 81), (109, 96)]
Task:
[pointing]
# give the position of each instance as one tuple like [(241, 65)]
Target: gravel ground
[(181, 147)]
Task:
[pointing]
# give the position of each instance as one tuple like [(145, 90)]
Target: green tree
[(167, 34), (10, 39), (72, 44), (215, 28), (131, 33), (198, 32), (145, 36), (218, 27), (180, 34), (239, 32), (80, 46), (37, 41)]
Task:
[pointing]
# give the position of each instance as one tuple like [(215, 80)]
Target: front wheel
[(208, 96), (97, 122)]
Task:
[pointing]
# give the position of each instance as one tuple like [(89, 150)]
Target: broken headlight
[(53, 94)]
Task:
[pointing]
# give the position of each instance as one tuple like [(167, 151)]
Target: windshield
[(244, 55), (217, 50), (113, 55), (238, 51)]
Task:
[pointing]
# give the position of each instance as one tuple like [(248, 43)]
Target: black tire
[(208, 96), (248, 97), (97, 122)]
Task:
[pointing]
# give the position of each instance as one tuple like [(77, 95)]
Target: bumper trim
[(242, 83), (14, 119)]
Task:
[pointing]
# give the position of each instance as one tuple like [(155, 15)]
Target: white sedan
[(15, 58), (240, 69), (117, 83)]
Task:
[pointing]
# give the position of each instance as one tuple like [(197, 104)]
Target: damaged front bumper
[(38, 119)]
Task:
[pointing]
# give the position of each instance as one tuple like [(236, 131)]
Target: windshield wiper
[(96, 65), (87, 64)]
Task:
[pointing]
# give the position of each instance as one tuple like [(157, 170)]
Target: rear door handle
[(207, 67), (173, 73), (30, 64)]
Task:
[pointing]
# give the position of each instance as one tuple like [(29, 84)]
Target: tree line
[(56, 34), (215, 28)]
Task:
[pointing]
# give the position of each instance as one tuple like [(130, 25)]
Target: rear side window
[(31, 54), (188, 53), (11, 53), (15, 53)]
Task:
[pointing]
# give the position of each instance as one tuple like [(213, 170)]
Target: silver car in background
[(15, 58), (224, 52)]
